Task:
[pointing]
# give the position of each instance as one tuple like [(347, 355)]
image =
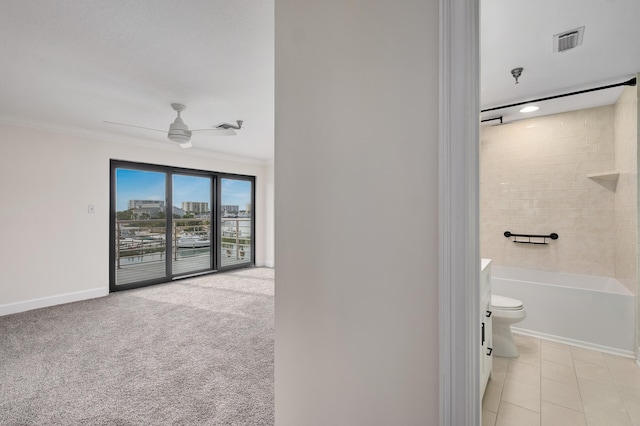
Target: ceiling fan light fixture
[(178, 131), (178, 135)]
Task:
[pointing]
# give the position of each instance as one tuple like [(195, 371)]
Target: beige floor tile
[(488, 418), (554, 415), (554, 354), (492, 395), (602, 404), (630, 394), (586, 355), (556, 345), (500, 362), (629, 389), (623, 369), (499, 370), (620, 362), (523, 372), (497, 378), (512, 415), (594, 393), (555, 384), (559, 372), (608, 416), (593, 372), (527, 345), (522, 394), (561, 394), (532, 358), (634, 413)]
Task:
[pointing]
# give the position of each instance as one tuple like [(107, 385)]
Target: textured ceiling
[(73, 64), (77, 63), (520, 34)]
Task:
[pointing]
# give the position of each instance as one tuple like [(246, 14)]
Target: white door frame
[(459, 216)]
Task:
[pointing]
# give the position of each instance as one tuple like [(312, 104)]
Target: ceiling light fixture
[(529, 108), (516, 73)]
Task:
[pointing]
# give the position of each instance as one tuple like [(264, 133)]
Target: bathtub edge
[(577, 343)]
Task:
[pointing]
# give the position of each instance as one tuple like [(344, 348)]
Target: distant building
[(152, 208), (151, 212), (248, 208), (196, 207), (178, 212), (146, 204), (230, 211)]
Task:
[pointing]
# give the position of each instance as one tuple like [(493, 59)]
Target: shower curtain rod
[(631, 82)]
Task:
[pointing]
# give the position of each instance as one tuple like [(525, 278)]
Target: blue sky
[(143, 185), (236, 193)]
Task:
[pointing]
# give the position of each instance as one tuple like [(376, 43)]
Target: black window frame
[(216, 217)]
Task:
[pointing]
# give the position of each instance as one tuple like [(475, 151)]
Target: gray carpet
[(191, 352)]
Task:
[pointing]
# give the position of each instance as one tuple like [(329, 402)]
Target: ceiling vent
[(568, 40)]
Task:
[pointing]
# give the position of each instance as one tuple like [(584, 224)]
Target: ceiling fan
[(179, 132)]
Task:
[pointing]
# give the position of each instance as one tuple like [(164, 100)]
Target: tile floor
[(553, 384)]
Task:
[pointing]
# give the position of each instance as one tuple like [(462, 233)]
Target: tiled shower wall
[(533, 176), (626, 196)]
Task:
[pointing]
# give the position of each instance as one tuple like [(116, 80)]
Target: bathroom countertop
[(484, 263)]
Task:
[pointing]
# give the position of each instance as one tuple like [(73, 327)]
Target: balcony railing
[(236, 240), (141, 246)]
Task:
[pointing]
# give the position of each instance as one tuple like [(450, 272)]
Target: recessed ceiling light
[(529, 108)]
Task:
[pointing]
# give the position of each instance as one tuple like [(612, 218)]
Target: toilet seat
[(505, 303)]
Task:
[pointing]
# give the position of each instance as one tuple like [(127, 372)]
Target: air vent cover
[(568, 39)]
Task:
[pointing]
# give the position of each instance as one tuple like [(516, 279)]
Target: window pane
[(237, 212), (191, 231), (140, 226)]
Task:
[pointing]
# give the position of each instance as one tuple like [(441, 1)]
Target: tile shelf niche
[(607, 179)]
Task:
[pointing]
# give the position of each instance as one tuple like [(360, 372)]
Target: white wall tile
[(534, 180)]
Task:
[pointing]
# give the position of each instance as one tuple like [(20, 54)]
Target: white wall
[(51, 247), (356, 177)]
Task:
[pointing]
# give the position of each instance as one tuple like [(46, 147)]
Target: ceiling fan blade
[(186, 145), (138, 127), (218, 132)]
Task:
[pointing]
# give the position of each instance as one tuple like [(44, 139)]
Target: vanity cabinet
[(486, 358)]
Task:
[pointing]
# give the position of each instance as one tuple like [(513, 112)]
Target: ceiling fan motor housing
[(179, 132)]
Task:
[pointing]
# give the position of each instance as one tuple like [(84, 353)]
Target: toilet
[(505, 311)]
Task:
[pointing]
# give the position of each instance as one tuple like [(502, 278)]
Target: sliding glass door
[(140, 226), (169, 223), (191, 231), (236, 221)]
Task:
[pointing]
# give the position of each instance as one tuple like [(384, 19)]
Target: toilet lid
[(507, 303)]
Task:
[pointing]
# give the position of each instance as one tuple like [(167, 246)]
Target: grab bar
[(552, 236)]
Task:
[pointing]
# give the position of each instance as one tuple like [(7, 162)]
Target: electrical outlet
[(91, 209)]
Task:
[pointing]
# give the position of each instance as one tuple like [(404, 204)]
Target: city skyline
[(148, 185)]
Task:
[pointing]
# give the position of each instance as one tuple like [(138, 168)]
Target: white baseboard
[(573, 342), (43, 302)]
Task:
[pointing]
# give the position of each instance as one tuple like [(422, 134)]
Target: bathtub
[(582, 310)]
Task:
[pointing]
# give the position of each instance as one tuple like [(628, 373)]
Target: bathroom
[(573, 174)]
